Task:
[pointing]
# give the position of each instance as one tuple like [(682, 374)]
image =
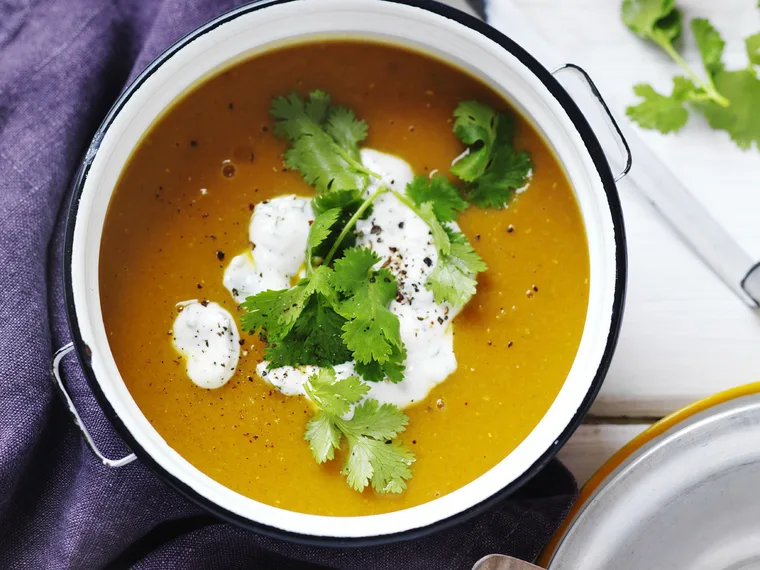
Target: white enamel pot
[(431, 28)]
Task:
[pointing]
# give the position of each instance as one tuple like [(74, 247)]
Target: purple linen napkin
[(62, 64)]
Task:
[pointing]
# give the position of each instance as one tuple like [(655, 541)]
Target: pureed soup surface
[(181, 211)]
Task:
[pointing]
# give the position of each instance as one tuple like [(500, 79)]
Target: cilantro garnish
[(348, 202), (371, 332), (492, 166), (324, 141), (340, 310), (299, 325), (374, 456), (445, 197), (729, 100), (453, 279)]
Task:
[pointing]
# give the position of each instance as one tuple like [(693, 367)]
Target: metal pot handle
[(598, 96), (710, 241), (59, 355)]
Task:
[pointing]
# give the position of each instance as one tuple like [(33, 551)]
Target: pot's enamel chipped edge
[(442, 33)]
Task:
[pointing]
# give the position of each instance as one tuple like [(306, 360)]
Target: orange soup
[(181, 213)]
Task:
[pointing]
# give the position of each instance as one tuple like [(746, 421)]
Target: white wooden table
[(685, 335)]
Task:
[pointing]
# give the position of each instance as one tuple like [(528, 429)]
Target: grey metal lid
[(688, 499)]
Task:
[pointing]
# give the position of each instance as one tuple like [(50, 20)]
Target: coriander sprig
[(324, 141), (340, 310), (375, 457), (492, 168), (729, 100), (662, 23)]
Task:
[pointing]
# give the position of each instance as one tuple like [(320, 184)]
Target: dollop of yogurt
[(207, 337), (277, 232), (406, 246)]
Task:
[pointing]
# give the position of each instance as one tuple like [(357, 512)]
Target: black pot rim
[(600, 162)]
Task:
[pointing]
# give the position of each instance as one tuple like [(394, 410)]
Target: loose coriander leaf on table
[(753, 49), (656, 20), (445, 197), (664, 113), (324, 141), (710, 45), (742, 118)]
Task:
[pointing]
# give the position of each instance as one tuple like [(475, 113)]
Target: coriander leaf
[(475, 125), (710, 45), (453, 277), (392, 369), (384, 465), (275, 312), (493, 166), (391, 467), (297, 117), (346, 130), (373, 458), (656, 20), (742, 118), (321, 166), (446, 200), (314, 339), (262, 313), (384, 421), (340, 199), (354, 268), (320, 229), (372, 331), (666, 114), (323, 141), (332, 395), (509, 171), (753, 49), (426, 211), (323, 437), (348, 202)]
